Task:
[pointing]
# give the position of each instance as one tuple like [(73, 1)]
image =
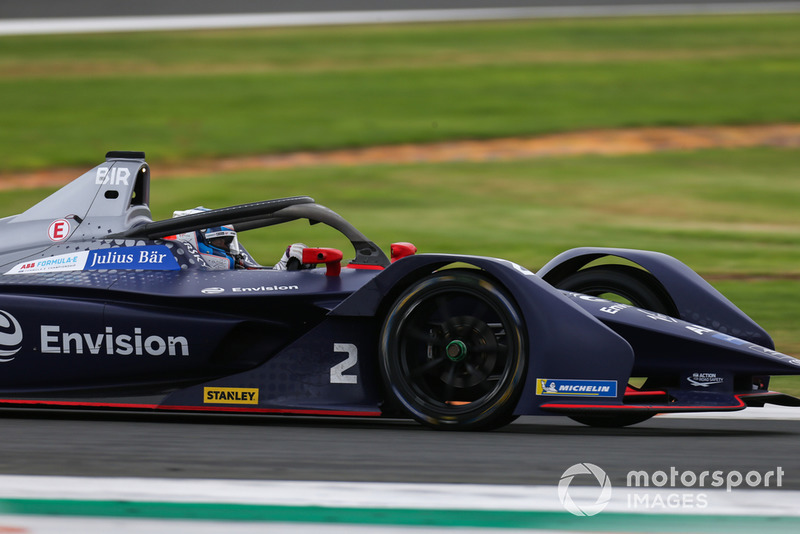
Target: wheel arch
[(695, 299), (377, 296), (406, 282)]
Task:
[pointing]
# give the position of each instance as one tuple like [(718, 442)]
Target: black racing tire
[(453, 352), (621, 283), (611, 420)]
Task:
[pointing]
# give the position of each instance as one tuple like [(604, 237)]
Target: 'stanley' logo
[(230, 395), (10, 337)]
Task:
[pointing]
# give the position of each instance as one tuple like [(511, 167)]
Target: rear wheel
[(628, 285), (453, 352)]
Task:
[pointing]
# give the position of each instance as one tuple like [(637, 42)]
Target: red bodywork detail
[(633, 392), (364, 266), (655, 408), (640, 397), (287, 411), (331, 257), (401, 250)]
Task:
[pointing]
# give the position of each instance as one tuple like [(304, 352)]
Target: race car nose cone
[(456, 350)]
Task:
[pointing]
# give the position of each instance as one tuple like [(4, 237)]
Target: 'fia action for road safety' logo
[(230, 395), (10, 337)]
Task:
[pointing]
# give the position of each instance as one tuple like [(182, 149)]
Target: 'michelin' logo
[(10, 337)]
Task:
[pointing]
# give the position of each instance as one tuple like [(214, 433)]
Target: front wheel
[(621, 283), (453, 352), (628, 285), (611, 420)]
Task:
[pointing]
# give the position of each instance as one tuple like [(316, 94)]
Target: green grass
[(178, 95), (721, 211)]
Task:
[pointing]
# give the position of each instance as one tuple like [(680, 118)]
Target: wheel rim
[(457, 351)]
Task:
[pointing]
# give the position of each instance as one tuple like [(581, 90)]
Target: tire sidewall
[(492, 410), (638, 286)]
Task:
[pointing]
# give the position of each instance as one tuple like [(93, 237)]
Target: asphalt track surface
[(532, 451)]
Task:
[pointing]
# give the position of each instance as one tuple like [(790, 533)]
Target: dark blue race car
[(103, 308)]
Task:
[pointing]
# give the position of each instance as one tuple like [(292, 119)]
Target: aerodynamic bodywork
[(103, 308)]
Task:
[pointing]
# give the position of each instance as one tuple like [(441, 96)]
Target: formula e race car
[(103, 308)]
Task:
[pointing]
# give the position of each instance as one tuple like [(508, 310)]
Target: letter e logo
[(59, 230)]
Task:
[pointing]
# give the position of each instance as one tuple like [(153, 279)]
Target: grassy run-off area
[(68, 99), (730, 215)]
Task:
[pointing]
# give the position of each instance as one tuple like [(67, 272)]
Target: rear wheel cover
[(453, 351)]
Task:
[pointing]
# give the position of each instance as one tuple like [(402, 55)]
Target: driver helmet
[(221, 237), (217, 246), (219, 241)]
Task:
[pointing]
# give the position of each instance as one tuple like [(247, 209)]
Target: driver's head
[(221, 237)]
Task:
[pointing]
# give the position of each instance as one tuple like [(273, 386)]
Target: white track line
[(263, 20), (739, 501), (85, 525)]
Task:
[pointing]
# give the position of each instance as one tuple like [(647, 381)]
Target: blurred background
[(517, 129), (508, 128)]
